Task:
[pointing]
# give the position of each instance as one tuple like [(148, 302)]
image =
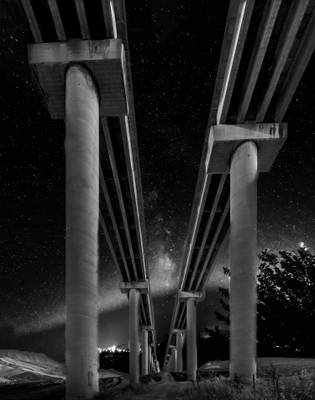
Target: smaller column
[(191, 299), (191, 339), (145, 352), (173, 359), (169, 363), (157, 366), (151, 366), (134, 297), (179, 348), (134, 290)]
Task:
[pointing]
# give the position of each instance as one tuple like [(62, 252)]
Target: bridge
[(266, 48), (81, 65), (80, 58)]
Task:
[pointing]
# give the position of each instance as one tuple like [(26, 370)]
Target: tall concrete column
[(145, 352), (191, 339), (82, 212), (243, 262), (134, 298), (179, 347)]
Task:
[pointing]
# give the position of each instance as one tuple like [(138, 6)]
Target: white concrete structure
[(134, 343), (191, 339), (174, 358), (244, 151), (82, 211), (243, 261), (179, 347), (134, 290), (146, 352)]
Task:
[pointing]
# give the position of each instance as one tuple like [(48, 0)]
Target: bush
[(274, 387)]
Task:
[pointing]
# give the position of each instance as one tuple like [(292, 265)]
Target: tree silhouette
[(286, 303)]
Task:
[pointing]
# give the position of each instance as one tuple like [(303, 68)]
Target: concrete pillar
[(82, 213), (169, 363), (145, 352), (134, 298), (174, 359), (179, 348), (191, 339), (243, 262), (151, 365)]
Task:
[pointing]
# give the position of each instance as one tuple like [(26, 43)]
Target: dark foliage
[(117, 361), (286, 303), (215, 346)]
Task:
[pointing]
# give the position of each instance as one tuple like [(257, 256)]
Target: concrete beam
[(114, 222), (197, 296), (244, 9), (194, 223), (286, 41), (53, 6), (133, 172), (118, 186), (103, 58), (32, 21), (141, 286), (84, 26), (202, 279), (207, 230), (109, 18), (224, 139), (298, 66), (257, 57), (178, 330), (147, 327)]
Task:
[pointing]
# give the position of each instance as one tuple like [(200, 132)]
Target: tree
[(286, 303)]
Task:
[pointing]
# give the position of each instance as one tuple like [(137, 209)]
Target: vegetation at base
[(300, 386), (117, 361), (285, 309)]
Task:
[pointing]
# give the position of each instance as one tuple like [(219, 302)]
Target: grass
[(273, 386), (278, 379)]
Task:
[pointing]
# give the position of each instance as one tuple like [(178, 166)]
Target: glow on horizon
[(162, 268), (302, 246), (112, 349)]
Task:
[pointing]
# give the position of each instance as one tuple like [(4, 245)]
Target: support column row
[(134, 290)]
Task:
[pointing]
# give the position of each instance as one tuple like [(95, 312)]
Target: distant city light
[(302, 245), (113, 349)]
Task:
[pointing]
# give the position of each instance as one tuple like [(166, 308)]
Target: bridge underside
[(94, 35), (265, 50)]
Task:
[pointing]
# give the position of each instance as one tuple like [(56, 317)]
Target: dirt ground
[(166, 389)]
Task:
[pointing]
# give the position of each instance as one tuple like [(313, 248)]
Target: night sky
[(174, 46)]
